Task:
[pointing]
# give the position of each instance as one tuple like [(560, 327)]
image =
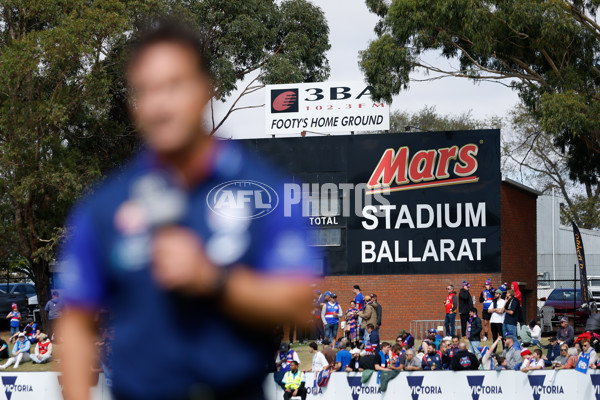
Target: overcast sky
[(351, 29)]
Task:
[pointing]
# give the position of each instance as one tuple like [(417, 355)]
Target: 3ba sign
[(323, 107)]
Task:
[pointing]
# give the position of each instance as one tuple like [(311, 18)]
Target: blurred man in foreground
[(171, 260)]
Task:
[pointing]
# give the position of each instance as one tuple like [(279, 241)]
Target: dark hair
[(384, 344), (473, 309), (396, 348), (313, 345), (356, 287), (294, 362), (499, 359), (371, 326), (455, 337), (55, 294), (168, 30), (432, 345), (538, 352), (532, 323)]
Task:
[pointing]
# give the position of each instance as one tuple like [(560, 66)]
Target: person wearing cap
[(512, 314), (285, 356), (20, 352), (294, 382), (343, 356), (330, 315), (451, 308), (32, 331), (553, 350), (486, 297), (378, 310), (474, 330), (354, 364), (565, 333), (15, 320), (497, 313), (368, 316), (464, 360), (465, 303), (512, 352), (43, 350)]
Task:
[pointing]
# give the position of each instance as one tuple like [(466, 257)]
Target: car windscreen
[(564, 295)]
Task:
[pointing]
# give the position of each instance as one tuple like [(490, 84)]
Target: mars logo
[(356, 387), (477, 387), (596, 385), (397, 170), (284, 100), (11, 387), (537, 384), (417, 388)]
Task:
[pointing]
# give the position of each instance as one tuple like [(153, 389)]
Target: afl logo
[(242, 199), (284, 100)]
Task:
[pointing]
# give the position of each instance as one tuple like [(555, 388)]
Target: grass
[(30, 366)]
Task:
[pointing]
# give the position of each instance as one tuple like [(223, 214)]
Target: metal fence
[(419, 328)]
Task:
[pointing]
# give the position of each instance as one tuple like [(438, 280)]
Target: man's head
[(326, 343), (42, 337), (473, 312), (30, 320), (409, 355), (370, 328), (399, 340), (352, 304), (293, 366), (396, 348), (285, 347), (585, 345), (367, 299), (488, 284), (510, 294), (431, 349), (403, 334), (509, 340), (537, 354), (327, 295), (498, 293), (553, 341), (450, 288), (462, 346), (444, 346), (374, 297), (21, 337), (455, 341), (355, 353), (564, 321), (312, 347), (333, 297), (169, 86), (385, 347), (431, 334), (466, 285), (356, 289), (55, 295), (342, 344)]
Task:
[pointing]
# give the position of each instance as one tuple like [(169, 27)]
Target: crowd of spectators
[(359, 347)]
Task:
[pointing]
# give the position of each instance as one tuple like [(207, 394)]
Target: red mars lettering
[(396, 170)]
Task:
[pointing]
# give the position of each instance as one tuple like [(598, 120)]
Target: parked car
[(6, 301), (26, 288), (566, 302)]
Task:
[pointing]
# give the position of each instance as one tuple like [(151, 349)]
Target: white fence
[(475, 385)]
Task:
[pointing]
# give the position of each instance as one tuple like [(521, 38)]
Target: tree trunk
[(41, 279)]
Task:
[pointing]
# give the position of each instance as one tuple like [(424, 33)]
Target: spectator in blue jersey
[(331, 314), (432, 360), (373, 338), (407, 338), (285, 356), (15, 321), (486, 297), (474, 330), (359, 299), (172, 249), (343, 356)]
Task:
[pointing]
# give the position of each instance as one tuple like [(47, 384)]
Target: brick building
[(493, 222)]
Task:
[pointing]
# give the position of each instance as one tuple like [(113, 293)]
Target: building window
[(325, 237)]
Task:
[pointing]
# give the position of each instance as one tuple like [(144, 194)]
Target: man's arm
[(323, 313), (77, 329)]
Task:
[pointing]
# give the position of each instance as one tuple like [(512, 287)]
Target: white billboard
[(324, 107)]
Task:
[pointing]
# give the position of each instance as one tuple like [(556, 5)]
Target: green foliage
[(546, 50), (428, 119), (63, 114)]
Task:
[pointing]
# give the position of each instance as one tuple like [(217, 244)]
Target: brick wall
[(419, 297)]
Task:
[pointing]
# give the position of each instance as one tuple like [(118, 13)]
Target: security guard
[(294, 382)]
